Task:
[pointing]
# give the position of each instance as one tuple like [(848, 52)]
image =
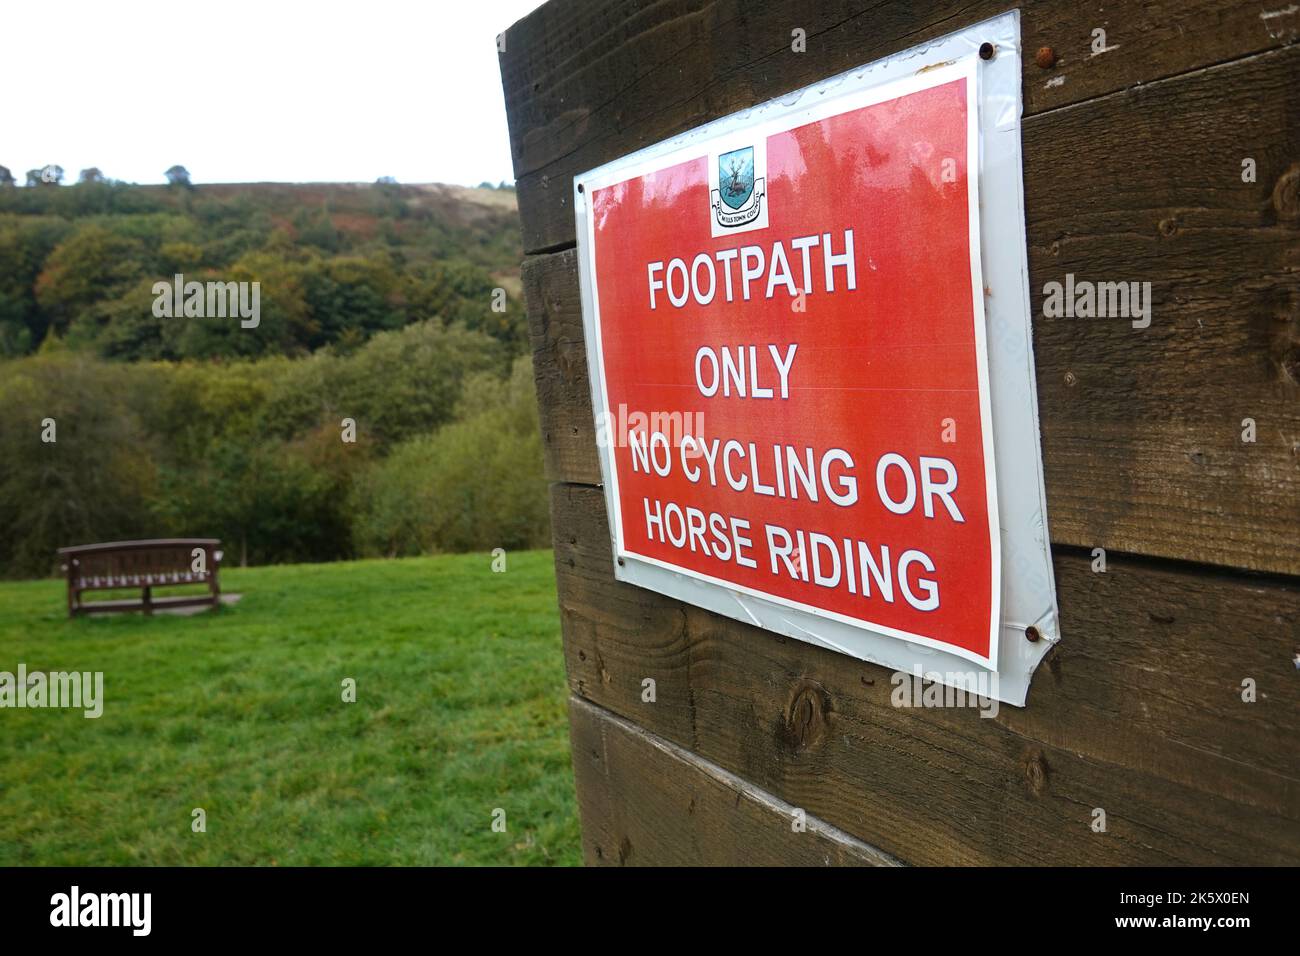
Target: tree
[(50, 175), (473, 484), (178, 176), (123, 327), (6, 177), (93, 484), (25, 243), (15, 337), (91, 175), (91, 265), (268, 500), (408, 381), (351, 292)]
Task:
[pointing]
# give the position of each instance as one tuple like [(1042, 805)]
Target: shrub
[(475, 484)]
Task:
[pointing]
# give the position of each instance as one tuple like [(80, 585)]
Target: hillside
[(335, 263), (377, 402)]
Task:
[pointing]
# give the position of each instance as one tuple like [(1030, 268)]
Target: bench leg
[(71, 570), (148, 599), (214, 586)]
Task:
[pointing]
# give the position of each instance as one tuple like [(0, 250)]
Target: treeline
[(446, 453), (379, 407), (337, 264)]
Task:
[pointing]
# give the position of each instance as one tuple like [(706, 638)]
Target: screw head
[(1046, 57), (986, 51), (1032, 635)]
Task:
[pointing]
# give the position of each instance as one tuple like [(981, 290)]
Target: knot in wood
[(1035, 768), (1291, 364), (806, 716), (1286, 194), (564, 360)]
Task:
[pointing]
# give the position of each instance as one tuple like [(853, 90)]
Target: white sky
[(276, 90)]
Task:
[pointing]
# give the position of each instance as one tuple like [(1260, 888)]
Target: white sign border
[(1023, 554)]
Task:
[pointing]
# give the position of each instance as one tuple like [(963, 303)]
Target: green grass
[(460, 710)]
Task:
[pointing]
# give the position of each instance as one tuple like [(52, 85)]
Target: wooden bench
[(141, 564)]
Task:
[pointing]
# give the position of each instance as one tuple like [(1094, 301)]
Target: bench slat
[(141, 564)]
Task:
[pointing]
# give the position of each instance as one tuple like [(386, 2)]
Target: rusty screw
[(1046, 57), (986, 51), (1031, 634)]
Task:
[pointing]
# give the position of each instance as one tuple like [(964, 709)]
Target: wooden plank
[(1141, 428), (1137, 712), (687, 812), (560, 368), (586, 81)]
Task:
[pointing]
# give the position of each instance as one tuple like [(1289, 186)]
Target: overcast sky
[(275, 90)]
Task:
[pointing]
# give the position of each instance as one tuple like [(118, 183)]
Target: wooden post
[(71, 568), (1170, 706), (214, 586)]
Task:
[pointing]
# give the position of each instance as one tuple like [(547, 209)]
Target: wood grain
[(560, 367), (1141, 428), (646, 802), (587, 81), (1138, 711), (1133, 172)]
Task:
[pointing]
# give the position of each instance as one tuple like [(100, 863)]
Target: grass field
[(460, 710)]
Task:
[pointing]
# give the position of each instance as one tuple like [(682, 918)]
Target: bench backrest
[(154, 560)]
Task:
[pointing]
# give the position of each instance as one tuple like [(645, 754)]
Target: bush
[(93, 483), (447, 454), (475, 484), (401, 384)]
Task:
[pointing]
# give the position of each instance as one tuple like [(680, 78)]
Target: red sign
[(793, 370)]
